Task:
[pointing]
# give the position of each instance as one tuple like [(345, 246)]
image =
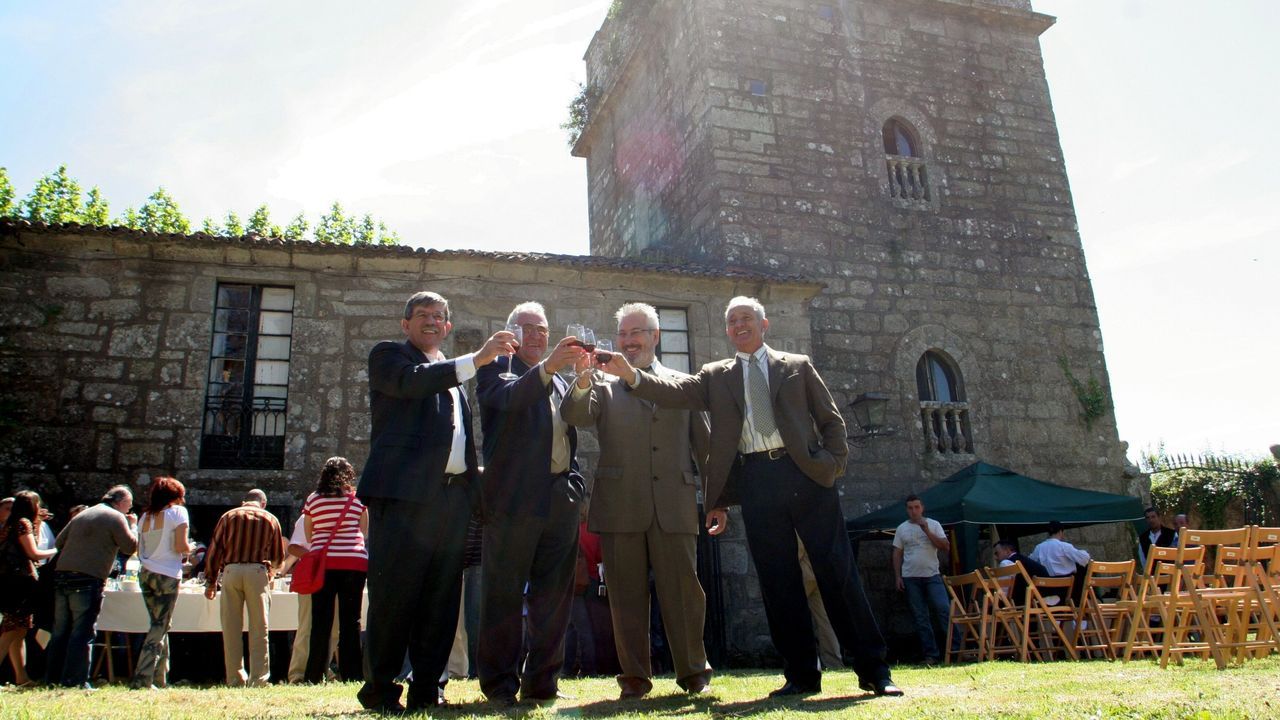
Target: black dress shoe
[(798, 689), (883, 688)]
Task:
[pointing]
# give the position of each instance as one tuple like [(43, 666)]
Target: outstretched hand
[(500, 343), (618, 366), (567, 352)]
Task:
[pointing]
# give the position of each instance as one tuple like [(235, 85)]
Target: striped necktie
[(761, 405)]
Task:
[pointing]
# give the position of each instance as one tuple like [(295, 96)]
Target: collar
[(761, 354)]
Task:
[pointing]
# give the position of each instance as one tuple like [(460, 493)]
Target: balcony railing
[(243, 436), (908, 179), (946, 427)]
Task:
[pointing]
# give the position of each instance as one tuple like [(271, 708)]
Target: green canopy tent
[(983, 494)]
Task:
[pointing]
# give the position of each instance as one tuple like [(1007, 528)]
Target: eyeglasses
[(634, 334), (534, 330)]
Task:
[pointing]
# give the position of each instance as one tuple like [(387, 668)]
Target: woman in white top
[(162, 542)]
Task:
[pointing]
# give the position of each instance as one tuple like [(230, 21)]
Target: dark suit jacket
[(1033, 568), (812, 429), (1168, 538), (646, 466), (411, 413), (516, 418)]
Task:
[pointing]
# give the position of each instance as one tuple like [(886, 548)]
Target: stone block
[(80, 288), (143, 453), (187, 331), (135, 341), (126, 309)]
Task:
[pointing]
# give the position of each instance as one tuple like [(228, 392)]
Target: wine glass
[(588, 338), (574, 330), (516, 330), (604, 351)]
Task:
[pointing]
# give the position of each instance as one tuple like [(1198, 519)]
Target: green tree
[(54, 199), (260, 223), (161, 214), (297, 228), (387, 237), (130, 219), (336, 227), (209, 227), (232, 227), (7, 207), (366, 231), (96, 210)]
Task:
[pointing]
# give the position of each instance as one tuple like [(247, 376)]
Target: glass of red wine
[(604, 351), (588, 338), (516, 330)]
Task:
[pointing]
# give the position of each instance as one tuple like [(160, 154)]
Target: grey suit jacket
[(646, 458), (812, 429)]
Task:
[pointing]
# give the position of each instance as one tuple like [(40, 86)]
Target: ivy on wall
[(1094, 401), (1211, 492)]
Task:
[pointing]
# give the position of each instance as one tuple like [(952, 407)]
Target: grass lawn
[(1001, 689)]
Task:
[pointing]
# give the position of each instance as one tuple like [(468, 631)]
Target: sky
[(442, 118)]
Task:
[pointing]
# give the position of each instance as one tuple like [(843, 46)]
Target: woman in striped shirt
[(336, 518)]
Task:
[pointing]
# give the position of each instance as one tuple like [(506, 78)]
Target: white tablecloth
[(124, 611)]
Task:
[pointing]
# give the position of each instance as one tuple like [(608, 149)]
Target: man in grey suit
[(778, 443), (644, 506)]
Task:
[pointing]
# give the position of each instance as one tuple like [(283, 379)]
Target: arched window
[(899, 139), (944, 407), (908, 178)]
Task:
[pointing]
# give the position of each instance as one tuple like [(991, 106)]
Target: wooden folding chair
[(970, 604), (1007, 617), (1225, 615), (1150, 620), (1106, 608), (1051, 619)]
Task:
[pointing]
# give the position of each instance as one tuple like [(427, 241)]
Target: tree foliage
[(57, 198), (1211, 493), (7, 207)]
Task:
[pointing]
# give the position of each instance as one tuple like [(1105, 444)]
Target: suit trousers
[(415, 583), (674, 559), (780, 502), (245, 587), (542, 551)]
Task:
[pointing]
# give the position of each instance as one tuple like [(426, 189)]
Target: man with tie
[(644, 505), (777, 446), (532, 490), (420, 484)]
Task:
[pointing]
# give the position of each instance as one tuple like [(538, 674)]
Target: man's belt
[(460, 478), (763, 455)]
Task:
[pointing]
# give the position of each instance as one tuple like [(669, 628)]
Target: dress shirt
[(753, 441), (247, 534), (559, 428), (465, 368), (1059, 557)]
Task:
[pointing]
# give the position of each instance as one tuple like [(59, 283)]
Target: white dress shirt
[(752, 441), (1059, 557), (465, 368)]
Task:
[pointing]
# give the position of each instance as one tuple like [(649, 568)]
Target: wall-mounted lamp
[(869, 410)]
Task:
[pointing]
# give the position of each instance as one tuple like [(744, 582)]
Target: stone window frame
[(926, 141), (227, 441), (960, 418), (676, 359)]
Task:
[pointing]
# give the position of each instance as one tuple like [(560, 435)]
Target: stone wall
[(988, 270), (105, 341)]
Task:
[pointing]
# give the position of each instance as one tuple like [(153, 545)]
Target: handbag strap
[(337, 526)]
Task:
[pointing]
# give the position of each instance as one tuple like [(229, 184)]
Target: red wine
[(575, 343), (604, 357), (589, 348)]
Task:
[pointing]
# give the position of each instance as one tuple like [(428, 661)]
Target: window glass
[(273, 347), (277, 299), (234, 296)]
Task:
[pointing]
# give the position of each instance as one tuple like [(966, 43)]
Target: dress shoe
[(544, 700), (883, 687), (386, 702), (499, 700), (798, 689), (633, 688), (698, 685)]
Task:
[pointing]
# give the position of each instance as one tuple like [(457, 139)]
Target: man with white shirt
[(1058, 556), (778, 444), (420, 484), (915, 565)]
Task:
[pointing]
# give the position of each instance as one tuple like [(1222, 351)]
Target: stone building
[(905, 154), (885, 175)]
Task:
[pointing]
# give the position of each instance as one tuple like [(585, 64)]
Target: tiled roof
[(574, 261)]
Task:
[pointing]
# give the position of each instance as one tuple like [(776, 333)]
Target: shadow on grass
[(684, 704)]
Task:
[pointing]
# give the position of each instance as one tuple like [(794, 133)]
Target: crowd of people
[(760, 428)]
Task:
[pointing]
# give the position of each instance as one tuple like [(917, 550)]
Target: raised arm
[(395, 374)]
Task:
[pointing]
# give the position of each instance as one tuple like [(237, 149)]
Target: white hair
[(638, 308), (744, 301), (527, 307)]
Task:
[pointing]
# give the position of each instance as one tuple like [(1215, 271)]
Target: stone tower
[(904, 153)]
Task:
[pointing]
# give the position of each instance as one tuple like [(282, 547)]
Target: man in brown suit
[(644, 506), (777, 446)]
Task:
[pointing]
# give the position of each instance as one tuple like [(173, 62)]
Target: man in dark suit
[(532, 491), (1006, 553), (777, 446), (1155, 534), (644, 505), (420, 484)]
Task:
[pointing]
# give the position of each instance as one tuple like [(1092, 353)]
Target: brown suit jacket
[(646, 458), (812, 429)]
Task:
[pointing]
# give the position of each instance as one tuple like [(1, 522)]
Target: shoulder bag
[(308, 573)]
